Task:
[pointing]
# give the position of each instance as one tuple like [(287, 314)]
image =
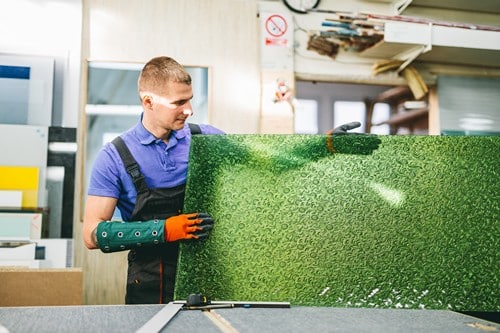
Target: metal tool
[(199, 302), (161, 318), (202, 302)]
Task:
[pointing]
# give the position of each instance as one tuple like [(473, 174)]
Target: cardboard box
[(40, 287)]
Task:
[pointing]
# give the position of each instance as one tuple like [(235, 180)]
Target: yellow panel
[(21, 178)]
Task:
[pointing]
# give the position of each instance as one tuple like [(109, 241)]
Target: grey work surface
[(129, 318)]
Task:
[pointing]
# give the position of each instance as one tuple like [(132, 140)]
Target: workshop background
[(403, 67)]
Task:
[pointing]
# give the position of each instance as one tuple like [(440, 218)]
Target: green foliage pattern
[(415, 224)]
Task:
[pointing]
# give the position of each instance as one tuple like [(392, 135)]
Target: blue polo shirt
[(163, 165)]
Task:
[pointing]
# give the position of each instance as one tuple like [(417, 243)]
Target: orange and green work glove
[(119, 236), (344, 142), (187, 226)]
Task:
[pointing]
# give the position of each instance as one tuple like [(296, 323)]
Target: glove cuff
[(120, 236), (329, 144)]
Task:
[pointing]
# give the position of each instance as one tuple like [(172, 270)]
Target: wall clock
[(301, 6)]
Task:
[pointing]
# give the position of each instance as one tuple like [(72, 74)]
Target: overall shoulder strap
[(130, 164), (194, 128)]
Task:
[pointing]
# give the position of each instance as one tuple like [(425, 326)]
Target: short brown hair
[(158, 72)]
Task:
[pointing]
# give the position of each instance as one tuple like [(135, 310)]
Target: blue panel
[(14, 72)]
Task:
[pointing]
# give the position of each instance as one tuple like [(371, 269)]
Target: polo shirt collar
[(147, 138)]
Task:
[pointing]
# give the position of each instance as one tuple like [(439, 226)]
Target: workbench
[(129, 318)]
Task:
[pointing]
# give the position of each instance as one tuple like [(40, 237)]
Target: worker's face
[(170, 109)]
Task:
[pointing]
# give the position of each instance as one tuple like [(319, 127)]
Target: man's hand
[(187, 226), (343, 142)]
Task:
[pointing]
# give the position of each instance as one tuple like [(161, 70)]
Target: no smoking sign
[(276, 25), (276, 30)]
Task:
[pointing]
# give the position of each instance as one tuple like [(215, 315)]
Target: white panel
[(20, 226), (439, 35), (58, 252), (21, 263), (25, 145), (467, 38), (38, 94), (22, 252), (11, 199), (411, 33)]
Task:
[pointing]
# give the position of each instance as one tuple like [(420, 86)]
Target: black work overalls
[(152, 269)]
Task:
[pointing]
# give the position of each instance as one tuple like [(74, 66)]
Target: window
[(346, 112), (306, 116), (381, 112)]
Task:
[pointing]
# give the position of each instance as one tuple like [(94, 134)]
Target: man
[(143, 174)]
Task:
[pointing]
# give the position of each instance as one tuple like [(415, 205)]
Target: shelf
[(484, 6), (437, 43), (405, 118), (394, 95), (411, 119)]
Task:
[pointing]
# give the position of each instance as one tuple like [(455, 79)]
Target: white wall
[(51, 28), (219, 34)]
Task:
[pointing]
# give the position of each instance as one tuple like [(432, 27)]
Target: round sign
[(276, 25)]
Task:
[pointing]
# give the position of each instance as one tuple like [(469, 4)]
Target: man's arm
[(97, 209), (116, 236)]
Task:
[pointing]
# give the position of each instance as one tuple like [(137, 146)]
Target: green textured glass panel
[(413, 225)]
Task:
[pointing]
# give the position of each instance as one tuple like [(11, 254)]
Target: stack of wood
[(415, 81), (351, 32)]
